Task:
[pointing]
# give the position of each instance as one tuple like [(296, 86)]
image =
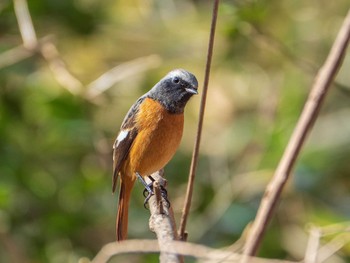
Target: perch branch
[(162, 221), (309, 114), (192, 174)]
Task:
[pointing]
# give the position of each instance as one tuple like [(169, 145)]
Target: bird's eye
[(176, 80)]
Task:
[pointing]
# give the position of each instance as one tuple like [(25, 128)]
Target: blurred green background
[(55, 147)]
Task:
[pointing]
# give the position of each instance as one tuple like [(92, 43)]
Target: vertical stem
[(25, 24), (195, 153), (308, 116)]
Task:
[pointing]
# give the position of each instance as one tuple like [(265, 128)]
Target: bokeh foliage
[(55, 148)]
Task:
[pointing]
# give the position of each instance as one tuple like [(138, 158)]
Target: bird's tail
[(123, 209)]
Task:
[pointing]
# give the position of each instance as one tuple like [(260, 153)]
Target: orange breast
[(158, 139)]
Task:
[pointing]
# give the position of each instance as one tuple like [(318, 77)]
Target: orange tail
[(123, 209)]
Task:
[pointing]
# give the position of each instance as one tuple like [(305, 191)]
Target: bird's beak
[(192, 90)]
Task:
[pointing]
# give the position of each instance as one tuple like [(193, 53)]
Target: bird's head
[(175, 89)]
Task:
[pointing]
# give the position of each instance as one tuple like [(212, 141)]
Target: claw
[(145, 193), (145, 203), (148, 191)]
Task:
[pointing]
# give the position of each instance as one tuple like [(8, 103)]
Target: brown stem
[(195, 154), (308, 116)]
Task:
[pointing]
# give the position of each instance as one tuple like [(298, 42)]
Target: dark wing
[(124, 140)]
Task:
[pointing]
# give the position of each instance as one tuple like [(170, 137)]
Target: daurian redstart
[(149, 136)]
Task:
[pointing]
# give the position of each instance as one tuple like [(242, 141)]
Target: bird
[(149, 136)]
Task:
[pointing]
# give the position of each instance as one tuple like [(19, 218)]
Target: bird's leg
[(148, 191), (148, 187), (163, 191)]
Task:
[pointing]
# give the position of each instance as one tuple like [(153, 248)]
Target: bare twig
[(56, 64), (14, 55), (332, 247), (175, 247), (195, 154), (46, 48), (313, 245), (262, 37), (309, 114), (317, 253), (161, 222), (118, 73), (59, 69), (25, 24), (340, 227)]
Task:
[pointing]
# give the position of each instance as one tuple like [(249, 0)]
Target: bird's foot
[(148, 191)]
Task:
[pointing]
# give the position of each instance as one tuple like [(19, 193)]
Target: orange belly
[(157, 141)]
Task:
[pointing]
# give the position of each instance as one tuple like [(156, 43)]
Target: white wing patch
[(121, 136)]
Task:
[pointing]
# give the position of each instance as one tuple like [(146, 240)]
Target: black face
[(175, 89)]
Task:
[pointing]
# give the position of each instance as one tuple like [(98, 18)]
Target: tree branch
[(162, 222), (308, 116)]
